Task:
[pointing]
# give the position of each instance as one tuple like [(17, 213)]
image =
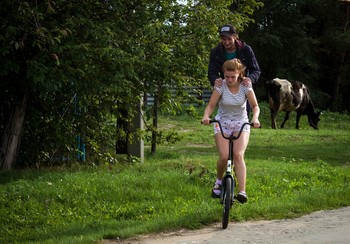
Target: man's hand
[(218, 83), (247, 82)]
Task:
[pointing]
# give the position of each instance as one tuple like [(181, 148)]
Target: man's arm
[(213, 68), (252, 65)]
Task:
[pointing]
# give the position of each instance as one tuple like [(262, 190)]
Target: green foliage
[(107, 54), (82, 63), (304, 40), (78, 67)]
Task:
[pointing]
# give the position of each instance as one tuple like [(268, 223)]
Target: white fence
[(194, 91)]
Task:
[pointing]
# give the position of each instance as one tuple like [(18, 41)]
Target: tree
[(177, 50), (304, 40), (72, 65), (341, 79), (54, 51)]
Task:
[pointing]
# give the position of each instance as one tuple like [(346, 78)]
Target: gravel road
[(323, 227)]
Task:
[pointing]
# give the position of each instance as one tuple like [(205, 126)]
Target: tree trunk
[(155, 124), (341, 73), (11, 139)]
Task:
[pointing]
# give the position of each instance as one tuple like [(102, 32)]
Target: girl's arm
[(255, 107), (214, 99)]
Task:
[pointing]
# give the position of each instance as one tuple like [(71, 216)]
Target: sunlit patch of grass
[(290, 173)]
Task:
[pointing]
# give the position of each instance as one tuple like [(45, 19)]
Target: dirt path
[(320, 227)]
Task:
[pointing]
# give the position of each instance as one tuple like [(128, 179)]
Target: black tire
[(227, 202)]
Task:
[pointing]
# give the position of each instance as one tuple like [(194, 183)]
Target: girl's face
[(232, 77)]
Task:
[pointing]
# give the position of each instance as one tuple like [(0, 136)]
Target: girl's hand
[(256, 123), (205, 121)]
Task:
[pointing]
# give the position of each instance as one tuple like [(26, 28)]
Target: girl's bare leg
[(239, 148)]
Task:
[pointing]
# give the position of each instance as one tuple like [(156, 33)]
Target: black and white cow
[(288, 97)]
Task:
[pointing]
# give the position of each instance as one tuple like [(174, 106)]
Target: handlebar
[(231, 137)]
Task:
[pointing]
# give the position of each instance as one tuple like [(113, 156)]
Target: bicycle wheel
[(227, 201)]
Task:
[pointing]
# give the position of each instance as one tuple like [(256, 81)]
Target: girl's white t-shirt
[(232, 107)]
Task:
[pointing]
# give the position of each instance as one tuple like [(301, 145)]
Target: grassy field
[(290, 173)]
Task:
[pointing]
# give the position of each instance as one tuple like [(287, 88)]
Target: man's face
[(228, 42)]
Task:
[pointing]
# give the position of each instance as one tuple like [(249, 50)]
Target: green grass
[(290, 173)]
